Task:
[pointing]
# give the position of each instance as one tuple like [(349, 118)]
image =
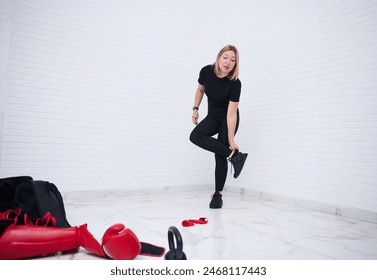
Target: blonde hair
[(233, 75)]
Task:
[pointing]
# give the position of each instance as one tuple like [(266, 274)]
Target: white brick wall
[(5, 27), (98, 94), (310, 101)]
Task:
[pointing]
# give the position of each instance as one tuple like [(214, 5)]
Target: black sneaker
[(238, 160), (217, 201)]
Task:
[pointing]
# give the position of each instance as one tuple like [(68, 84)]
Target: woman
[(220, 83)]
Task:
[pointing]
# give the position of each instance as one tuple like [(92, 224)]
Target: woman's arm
[(198, 99), (231, 122)]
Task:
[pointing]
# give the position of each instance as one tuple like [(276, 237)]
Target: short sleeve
[(235, 91), (203, 73)]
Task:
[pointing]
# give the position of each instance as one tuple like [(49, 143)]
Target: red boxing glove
[(120, 243)]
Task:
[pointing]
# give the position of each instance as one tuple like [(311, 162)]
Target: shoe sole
[(242, 164), (215, 206)]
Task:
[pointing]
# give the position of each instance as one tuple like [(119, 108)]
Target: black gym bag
[(34, 198)]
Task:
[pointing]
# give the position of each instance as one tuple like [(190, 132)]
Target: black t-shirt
[(219, 91)]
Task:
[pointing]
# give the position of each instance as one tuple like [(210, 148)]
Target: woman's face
[(227, 62)]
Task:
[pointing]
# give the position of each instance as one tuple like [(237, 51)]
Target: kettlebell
[(175, 253)]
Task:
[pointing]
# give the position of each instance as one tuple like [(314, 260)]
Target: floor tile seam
[(311, 250), (149, 229), (275, 238), (259, 234), (116, 208), (322, 236), (284, 239), (342, 220), (313, 235), (330, 232), (130, 218), (310, 236), (277, 246)]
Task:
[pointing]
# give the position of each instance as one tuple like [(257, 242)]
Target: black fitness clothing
[(208, 127), (219, 92), (202, 137)]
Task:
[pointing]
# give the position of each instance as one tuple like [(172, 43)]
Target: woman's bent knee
[(193, 137)]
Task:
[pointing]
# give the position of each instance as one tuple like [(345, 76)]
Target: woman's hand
[(195, 117), (234, 146)]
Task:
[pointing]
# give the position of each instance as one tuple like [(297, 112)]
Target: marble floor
[(244, 229)]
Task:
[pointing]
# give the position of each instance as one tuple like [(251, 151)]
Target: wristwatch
[(195, 108)]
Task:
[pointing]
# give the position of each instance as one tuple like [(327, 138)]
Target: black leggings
[(202, 137)]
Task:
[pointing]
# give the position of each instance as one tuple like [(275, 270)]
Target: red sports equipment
[(29, 241), (120, 243)]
